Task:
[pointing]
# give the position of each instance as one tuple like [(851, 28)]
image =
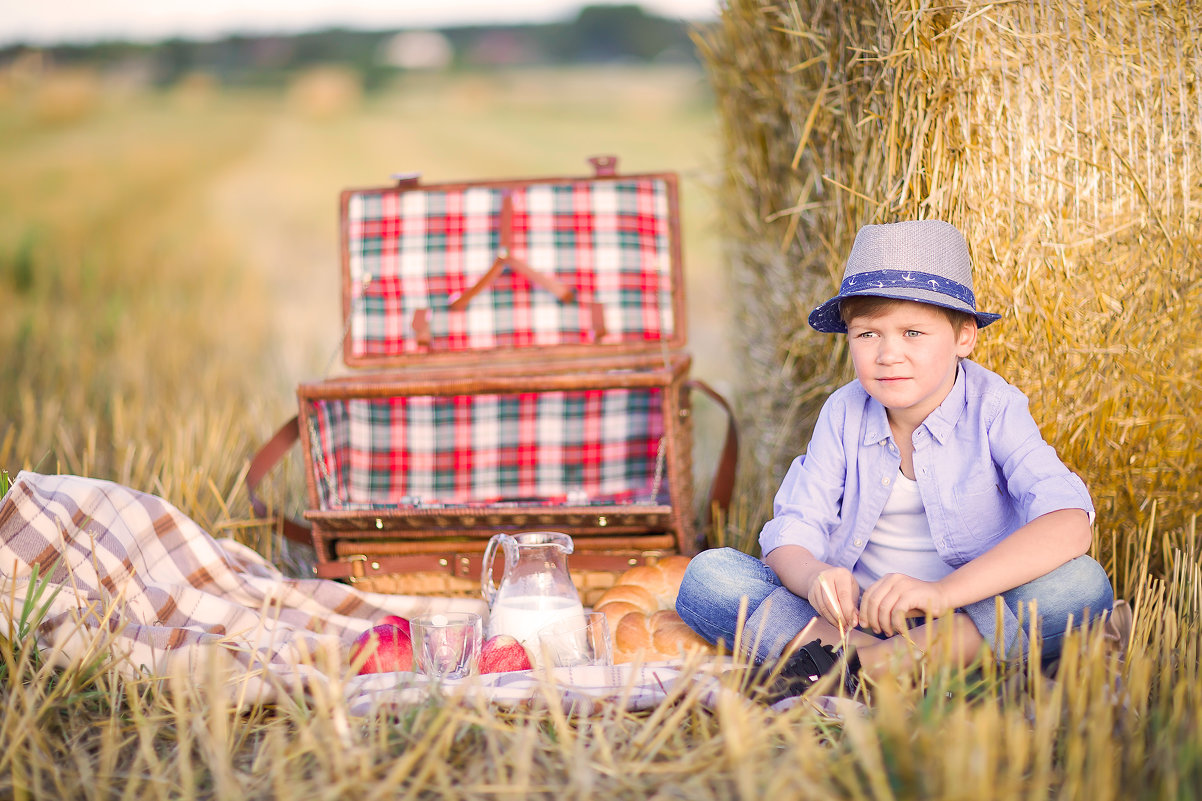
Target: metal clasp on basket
[(406, 180), (604, 165), (354, 560)]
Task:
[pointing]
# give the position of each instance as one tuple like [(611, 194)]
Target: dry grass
[(1063, 138), (1107, 728), (166, 279)]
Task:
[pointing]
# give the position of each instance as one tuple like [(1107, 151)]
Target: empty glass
[(577, 640), (447, 645)]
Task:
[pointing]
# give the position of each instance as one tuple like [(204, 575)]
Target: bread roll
[(632, 594), (614, 611), (652, 579), (673, 568), (632, 638), (674, 639), (662, 617), (660, 637), (661, 580), (641, 610)]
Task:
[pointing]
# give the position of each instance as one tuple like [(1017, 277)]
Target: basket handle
[(267, 457)]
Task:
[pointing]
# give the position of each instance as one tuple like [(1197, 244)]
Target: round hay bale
[(1064, 139), (326, 91)]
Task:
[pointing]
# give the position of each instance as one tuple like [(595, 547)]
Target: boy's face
[(906, 355)]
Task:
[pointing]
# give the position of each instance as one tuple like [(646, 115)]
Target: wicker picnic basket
[(520, 361)]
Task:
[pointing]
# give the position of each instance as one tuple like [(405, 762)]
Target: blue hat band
[(865, 283)]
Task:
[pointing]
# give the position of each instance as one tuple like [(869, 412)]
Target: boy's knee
[(1091, 582), (708, 562), (703, 570), (1078, 590), (715, 573)]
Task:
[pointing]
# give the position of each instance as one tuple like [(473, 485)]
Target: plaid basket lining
[(420, 249), (554, 447)]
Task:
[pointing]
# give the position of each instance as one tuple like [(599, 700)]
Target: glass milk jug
[(535, 590)]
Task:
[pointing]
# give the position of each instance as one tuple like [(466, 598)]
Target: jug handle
[(487, 587)]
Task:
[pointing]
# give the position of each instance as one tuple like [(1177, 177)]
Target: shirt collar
[(939, 422), (876, 425)]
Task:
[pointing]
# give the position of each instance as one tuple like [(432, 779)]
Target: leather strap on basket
[(506, 259), (267, 457), (723, 486)]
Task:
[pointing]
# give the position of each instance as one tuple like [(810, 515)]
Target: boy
[(926, 491)]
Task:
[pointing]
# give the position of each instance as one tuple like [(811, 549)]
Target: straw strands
[(1063, 138), (1111, 726)]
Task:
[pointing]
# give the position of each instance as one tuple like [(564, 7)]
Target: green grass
[(168, 274)]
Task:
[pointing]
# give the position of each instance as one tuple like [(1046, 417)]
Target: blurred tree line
[(598, 34)]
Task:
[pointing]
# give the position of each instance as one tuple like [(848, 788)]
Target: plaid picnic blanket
[(130, 572), (630, 686)]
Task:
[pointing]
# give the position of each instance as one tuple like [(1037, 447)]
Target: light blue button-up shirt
[(983, 471)]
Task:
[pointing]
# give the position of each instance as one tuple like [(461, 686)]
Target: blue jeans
[(719, 582)]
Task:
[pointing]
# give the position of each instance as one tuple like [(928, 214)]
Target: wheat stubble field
[(168, 274)]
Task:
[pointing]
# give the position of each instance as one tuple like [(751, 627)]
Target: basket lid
[(493, 270)]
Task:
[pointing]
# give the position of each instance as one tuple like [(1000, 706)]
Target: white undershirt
[(901, 541)]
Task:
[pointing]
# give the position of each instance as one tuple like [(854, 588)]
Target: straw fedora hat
[(921, 260)]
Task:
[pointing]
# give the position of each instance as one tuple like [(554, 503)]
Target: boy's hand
[(834, 594), (888, 602)]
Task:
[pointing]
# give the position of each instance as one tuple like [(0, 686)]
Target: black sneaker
[(775, 681)]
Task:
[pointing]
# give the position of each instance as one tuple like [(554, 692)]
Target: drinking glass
[(577, 640), (447, 645)]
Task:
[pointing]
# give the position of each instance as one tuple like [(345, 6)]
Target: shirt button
[(885, 481), (858, 542)]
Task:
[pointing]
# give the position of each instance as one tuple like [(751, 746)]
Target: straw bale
[(1063, 138)]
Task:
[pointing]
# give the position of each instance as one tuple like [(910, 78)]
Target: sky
[(52, 21)]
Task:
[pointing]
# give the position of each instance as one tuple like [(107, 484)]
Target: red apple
[(502, 653), (388, 647), (398, 621)]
